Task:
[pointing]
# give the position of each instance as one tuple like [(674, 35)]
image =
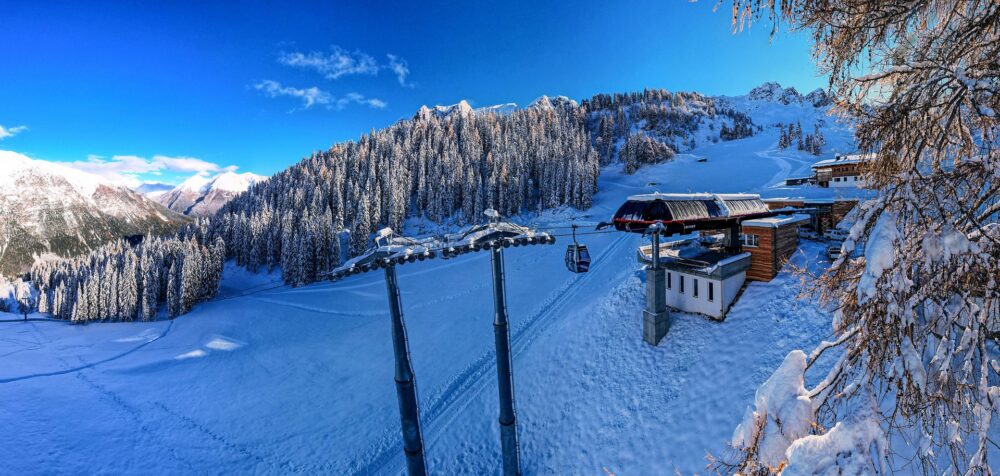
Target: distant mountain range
[(154, 189), (463, 107), (772, 91), (201, 195), (49, 209)]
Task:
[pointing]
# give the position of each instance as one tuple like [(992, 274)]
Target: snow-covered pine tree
[(918, 314)]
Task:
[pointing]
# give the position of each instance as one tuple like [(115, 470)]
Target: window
[(695, 288), (836, 179), (711, 291), (682, 284), (668, 279), (752, 241)]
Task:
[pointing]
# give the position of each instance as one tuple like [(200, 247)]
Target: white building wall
[(847, 181), (724, 294), (732, 287)]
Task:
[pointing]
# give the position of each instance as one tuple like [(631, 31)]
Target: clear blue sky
[(230, 84)]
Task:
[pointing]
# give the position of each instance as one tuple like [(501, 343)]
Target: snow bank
[(880, 255), (848, 448), (782, 412)]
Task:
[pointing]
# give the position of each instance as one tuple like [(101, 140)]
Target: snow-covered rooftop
[(775, 222), (844, 159), (671, 197)]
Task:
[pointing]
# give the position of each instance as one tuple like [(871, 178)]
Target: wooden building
[(824, 214), (770, 242), (840, 171)]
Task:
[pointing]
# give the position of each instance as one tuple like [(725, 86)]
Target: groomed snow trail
[(300, 380)]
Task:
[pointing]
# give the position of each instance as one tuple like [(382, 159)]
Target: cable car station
[(704, 274)]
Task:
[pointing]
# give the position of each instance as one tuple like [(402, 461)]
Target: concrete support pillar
[(734, 245), (655, 318)]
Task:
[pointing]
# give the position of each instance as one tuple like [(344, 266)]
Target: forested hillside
[(651, 126), (443, 165), (124, 283)]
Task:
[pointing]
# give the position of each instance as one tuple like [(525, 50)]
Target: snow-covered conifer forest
[(545, 156)]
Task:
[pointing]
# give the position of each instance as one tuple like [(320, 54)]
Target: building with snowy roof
[(841, 171), (700, 278), (824, 213)]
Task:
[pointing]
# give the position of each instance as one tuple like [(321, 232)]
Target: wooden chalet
[(840, 171)]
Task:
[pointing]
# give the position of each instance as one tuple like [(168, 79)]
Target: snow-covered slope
[(274, 379), (202, 196), (46, 207)]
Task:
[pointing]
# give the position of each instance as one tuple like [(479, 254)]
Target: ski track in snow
[(478, 375), (90, 364)]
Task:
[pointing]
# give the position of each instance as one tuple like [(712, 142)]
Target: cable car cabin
[(577, 258), (682, 213)]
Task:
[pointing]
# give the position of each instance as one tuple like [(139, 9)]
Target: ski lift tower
[(505, 378), (390, 251), (495, 236)]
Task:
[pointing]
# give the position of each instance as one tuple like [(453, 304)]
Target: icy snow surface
[(271, 379)]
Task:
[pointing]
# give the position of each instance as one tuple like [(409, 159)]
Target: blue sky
[(163, 90)]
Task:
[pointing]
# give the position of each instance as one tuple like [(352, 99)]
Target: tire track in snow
[(477, 373), (170, 324)]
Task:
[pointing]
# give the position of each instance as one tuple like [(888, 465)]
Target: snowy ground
[(300, 380)]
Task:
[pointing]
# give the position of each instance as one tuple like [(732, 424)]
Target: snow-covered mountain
[(203, 196), (773, 92), (153, 189), (46, 207), (463, 107)]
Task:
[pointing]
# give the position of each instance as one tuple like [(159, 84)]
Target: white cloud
[(400, 68), (357, 98), (11, 132), (185, 164), (126, 169), (316, 97), (333, 65), (309, 96), (340, 62)]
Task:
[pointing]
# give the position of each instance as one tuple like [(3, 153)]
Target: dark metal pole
[(406, 386), (656, 249), (505, 379)]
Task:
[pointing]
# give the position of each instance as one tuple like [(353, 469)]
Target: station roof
[(777, 222)]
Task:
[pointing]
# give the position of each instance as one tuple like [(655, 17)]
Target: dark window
[(682, 284), (631, 210), (695, 286), (657, 211), (711, 291), (668, 280)]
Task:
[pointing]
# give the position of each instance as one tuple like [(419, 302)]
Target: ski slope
[(273, 379)]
